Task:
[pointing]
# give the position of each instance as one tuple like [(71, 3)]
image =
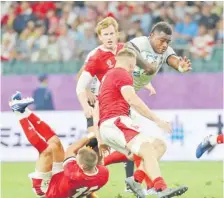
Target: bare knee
[(55, 142), (160, 146), (146, 149), (47, 153)]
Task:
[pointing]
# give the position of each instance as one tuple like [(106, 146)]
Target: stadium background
[(44, 44)]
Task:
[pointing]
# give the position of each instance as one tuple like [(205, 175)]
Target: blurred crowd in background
[(64, 31)]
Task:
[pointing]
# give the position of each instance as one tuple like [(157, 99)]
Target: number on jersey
[(84, 191)]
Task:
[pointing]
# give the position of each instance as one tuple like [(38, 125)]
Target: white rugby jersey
[(146, 50)]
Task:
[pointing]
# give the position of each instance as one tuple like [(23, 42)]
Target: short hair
[(129, 52), (105, 23), (162, 27), (88, 158)]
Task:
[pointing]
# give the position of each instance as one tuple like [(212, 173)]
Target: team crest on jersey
[(110, 64)]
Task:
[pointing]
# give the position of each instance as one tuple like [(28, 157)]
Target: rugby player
[(76, 176), (117, 130)]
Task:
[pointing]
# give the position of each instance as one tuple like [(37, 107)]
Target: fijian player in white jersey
[(156, 48)]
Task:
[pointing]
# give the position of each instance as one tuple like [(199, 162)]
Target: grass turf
[(204, 179)]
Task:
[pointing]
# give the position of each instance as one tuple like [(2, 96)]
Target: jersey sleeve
[(104, 172), (169, 52), (92, 64), (122, 79)]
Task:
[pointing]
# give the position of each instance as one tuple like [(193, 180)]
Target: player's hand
[(88, 111), (103, 149), (151, 89), (185, 64), (91, 97), (165, 126)]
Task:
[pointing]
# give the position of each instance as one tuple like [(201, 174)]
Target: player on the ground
[(208, 142), (54, 177), (97, 63), (117, 130)]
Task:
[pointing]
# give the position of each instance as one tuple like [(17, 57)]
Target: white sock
[(213, 140)]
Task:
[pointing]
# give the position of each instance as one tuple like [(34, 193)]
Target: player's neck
[(113, 50), (94, 171), (121, 65)]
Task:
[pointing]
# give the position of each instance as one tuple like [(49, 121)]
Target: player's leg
[(147, 149), (114, 138), (208, 142), (42, 175), (51, 138)]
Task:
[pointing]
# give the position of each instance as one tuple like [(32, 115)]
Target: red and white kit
[(116, 127)]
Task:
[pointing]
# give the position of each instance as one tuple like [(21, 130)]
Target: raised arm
[(73, 148)]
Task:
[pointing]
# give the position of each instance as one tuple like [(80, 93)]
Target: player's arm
[(150, 68), (73, 148), (135, 102), (178, 63), (83, 83), (150, 88), (80, 72)]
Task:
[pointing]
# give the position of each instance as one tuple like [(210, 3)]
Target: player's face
[(160, 41), (109, 37)]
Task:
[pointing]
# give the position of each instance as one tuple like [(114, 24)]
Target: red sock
[(137, 160), (115, 157), (41, 127), (220, 139), (32, 136), (139, 176), (148, 181), (159, 184)]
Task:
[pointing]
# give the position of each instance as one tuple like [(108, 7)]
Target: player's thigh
[(45, 160), (132, 134), (113, 137), (57, 149)]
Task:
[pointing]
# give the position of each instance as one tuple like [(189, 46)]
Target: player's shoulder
[(140, 39), (103, 171), (93, 54), (119, 73), (141, 42)]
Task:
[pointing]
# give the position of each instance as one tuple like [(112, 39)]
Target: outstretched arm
[(178, 63), (134, 101)]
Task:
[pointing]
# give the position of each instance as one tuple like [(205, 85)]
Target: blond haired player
[(118, 131)]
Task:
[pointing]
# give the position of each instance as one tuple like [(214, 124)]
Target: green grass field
[(204, 179)]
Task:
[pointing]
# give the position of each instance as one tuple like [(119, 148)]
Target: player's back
[(73, 181), (111, 101)]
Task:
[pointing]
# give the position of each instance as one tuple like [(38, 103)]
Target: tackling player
[(75, 177), (117, 130), (209, 142)]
